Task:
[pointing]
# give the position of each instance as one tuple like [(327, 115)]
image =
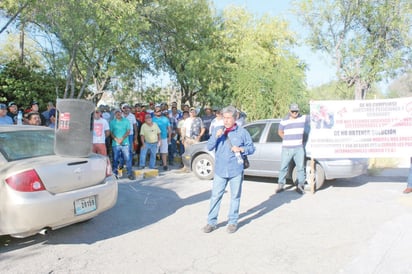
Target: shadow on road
[(138, 206), (274, 201), (364, 179)]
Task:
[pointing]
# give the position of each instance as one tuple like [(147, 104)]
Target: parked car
[(265, 162), (41, 191)]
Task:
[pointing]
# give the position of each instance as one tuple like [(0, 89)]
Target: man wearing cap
[(13, 111), (150, 139), (133, 129), (292, 130), (33, 119), (165, 134), (207, 119), (101, 131), (193, 129), (4, 118), (119, 130)]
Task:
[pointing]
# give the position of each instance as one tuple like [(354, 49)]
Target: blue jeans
[(218, 189), (298, 156), (131, 148), (152, 148), (119, 151), (181, 148), (410, 176), (172, 150)]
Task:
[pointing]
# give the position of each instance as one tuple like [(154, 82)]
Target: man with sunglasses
[(292, 131)]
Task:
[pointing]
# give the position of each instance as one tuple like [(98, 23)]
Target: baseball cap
[(12, 104), (125, 106), (117, 110), (33, 103), (294, 107), (3, 106)]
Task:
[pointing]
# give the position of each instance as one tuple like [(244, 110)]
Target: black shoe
[(280, 188), (165, 168), (300, 189), (131, 177)]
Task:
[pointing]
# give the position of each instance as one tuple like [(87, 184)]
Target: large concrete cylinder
[(74, 127)]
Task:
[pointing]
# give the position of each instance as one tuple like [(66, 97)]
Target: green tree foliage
[(182, 41), (22, 84), (401, 87), (368, 40), (264, 77), (94, 37), (217, 60)]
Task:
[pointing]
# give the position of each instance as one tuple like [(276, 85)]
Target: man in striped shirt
[(292, 130)]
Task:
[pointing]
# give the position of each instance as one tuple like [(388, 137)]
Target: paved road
[(359, 225)]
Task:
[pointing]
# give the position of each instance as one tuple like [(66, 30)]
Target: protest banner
[(361, 128)]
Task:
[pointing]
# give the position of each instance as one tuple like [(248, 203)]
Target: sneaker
[(165, 168), (140, 167), (300, 189), (281, 187), (209, 228), (131, 177), (231, 228)]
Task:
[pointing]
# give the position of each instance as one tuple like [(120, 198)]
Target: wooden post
[(312, 176)]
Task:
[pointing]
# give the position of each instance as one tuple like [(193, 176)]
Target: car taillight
[(109, 170), (27, 181)]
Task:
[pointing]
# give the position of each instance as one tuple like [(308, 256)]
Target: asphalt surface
[(358, 225)]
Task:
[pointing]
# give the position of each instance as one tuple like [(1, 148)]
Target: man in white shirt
[(101, 131)]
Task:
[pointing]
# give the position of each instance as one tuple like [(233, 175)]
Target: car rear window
[(19, 145)]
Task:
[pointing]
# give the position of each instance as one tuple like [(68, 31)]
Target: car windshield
[(19, 145)]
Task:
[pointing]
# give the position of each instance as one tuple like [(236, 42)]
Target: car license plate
[(85, 205)]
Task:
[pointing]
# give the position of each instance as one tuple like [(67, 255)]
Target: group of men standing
[(31, 115), (156, 130)]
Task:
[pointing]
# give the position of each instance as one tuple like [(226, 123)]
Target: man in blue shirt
[(230, 143), (119, 130), (4, 118)]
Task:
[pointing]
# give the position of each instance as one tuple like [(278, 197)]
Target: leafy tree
[(264, 77), (401, 87), (94, 39), (21, 83), (182, 42), (368, 40)]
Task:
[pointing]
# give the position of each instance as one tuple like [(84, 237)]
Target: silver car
[(40, 191), (265, 162)]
